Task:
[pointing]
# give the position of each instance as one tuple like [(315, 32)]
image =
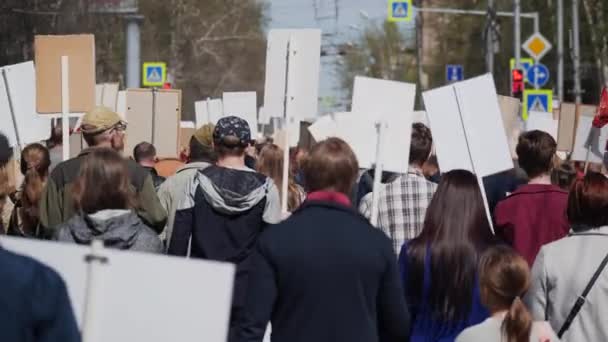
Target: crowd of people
[(436, 268)]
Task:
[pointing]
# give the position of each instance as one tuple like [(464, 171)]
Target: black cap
[(232, 126)]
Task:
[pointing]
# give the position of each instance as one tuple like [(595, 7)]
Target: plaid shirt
[(402, 206)]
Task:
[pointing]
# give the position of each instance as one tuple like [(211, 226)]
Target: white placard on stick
[(190, 302), (542, 121), (579, 152), (243, 105), (376, 100), (121, 104), (307, 66), (208, 111), (20, 85)]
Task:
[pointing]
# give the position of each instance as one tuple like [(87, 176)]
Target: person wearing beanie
[(101, 128), (226, 208), (200, 155)]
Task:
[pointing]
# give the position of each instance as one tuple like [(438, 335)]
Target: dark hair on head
[(229, 146), (504, 277), (331, 165), (35, 163), (6, 152), (455, 232), (103, 183), (535, 152), (56, 138), (588, 202), (563, 175), (421, 144), (144, 151), (200, 152)]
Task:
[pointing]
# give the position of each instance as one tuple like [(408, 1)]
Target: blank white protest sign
[(191, 301), (327, 125), (376, 100), (468, 130), (579, 152), (208, 111), (22, 89), (542, 121), (304, 48), (243, 105)]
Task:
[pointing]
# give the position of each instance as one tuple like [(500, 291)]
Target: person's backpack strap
[(581, 299)]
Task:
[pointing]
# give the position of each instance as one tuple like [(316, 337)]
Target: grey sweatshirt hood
[(117, 228), (233, 191)]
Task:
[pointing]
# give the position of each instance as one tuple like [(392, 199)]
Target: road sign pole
[(517, 33), (133, 50), (536, 85), (560, 50), (576, 51)]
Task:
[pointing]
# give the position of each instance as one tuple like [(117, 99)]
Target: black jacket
[(34, 303), (325, 275), (157, 179)]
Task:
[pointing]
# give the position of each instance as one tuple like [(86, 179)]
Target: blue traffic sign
[(154, 74), (399, 10), (538, 75), (537, 100), (454, 73)]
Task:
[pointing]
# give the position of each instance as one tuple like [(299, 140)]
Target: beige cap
[(204, 134), (99, 119)]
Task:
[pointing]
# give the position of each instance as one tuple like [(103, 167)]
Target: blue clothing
[(34, 304), (425, 328)]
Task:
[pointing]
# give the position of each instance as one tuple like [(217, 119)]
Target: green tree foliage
[(380, 51)]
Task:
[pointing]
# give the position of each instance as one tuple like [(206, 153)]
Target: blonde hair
[(270, 164)]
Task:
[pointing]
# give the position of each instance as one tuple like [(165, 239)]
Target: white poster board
[(143, 297), (110, 96), (243, 105), (542, 121), (121, 104), (420, 116), (263, 117), (327, 125), (31, 126), (306, 66), (579, 152), (208, 111), (376, 100)]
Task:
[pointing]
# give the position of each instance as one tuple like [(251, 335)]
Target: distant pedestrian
[(104, 201), (504, 278), (226, 208), (403, 202), (439, 267), (145, 155), (565, 268), (25, 218), (101, 128), (535, 213), (325, 274), (172, 192)]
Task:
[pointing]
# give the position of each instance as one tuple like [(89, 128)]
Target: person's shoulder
[(66, 171), (479, 332), (22, 270)]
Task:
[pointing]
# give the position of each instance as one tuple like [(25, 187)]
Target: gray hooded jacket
[(120, 229)]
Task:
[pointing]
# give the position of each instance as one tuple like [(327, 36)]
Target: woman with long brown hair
[(270, 164), (504, 278), (439, 267), (25, 219), (105, 202)]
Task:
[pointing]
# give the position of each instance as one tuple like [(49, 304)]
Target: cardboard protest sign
[(154, 117), (243, 105), (566, 127), (510, 109), (80, 50), (306, 66), (543, 122), (20, 90), (190, 302), (208, 111), (376, 100)]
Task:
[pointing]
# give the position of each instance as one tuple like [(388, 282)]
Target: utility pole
[(420, 84), (490, 38), (517, 35), (576, 52), (133, 49), (560, 50)]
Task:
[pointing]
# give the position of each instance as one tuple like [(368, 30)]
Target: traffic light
[(517, 83)]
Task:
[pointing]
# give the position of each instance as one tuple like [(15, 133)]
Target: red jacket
[(532, 216)]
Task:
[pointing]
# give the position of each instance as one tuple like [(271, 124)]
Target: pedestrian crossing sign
[(155, 74), (399, 10), (537, 100)]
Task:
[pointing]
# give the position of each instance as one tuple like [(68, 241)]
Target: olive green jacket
[(57, 204)]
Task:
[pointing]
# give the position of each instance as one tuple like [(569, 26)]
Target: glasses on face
[(120, 127)]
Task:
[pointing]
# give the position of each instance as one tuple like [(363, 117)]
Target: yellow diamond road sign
[(537, 46)]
